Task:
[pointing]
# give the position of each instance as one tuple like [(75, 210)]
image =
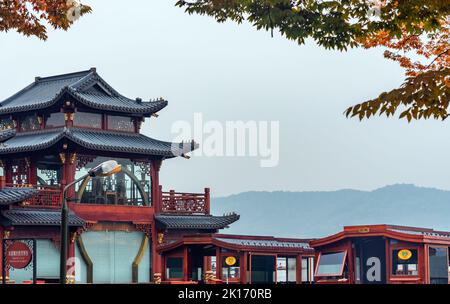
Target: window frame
[(391, 260), (166, 269), (341, 273)]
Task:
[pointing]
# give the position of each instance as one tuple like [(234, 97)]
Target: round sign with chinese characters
[(18, 255), (230, 261), (404, 254)]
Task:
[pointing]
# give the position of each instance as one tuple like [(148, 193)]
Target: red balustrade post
[(207, 201)]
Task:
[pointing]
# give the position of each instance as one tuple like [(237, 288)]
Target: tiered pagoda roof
[(87, 87), (91, 91)]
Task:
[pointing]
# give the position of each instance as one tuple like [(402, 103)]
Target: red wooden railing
[(47, 196), (185, 203), (169, 202)]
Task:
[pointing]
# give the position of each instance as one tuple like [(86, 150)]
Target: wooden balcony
[(185, 203), (170, 202)]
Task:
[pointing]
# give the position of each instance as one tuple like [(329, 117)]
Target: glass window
[(55, 120), (87, 120), (263, 269), (30, 123), (331, 264), (286, 269), (123, 188), (120, 123), (307, 265), (6, 123), (230, 271), (174, 268), (438, 265), (404, 262)]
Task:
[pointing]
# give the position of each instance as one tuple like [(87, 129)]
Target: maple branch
[(437, 57)]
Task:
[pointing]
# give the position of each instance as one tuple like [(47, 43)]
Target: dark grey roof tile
[(10, 196), (209, 222), (42, 217), (87, 87)]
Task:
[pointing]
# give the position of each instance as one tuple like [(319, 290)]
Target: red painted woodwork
[(185, 203), (96, 213)]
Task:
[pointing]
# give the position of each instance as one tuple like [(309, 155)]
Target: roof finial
[(138, 99), (37, 78), (93, 69)]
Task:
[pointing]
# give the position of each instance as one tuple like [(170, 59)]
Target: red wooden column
[(32, 172), (69, 166), (298, 269), (243, 262), (156, 203), (186, 264)]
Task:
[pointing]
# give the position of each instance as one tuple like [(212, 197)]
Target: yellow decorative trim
[(160, 238), (6, 234), (138, 258), (62, 156), (157, 278), (87, 260), (73, 158)]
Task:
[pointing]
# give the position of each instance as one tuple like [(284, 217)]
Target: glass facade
[(6, 123), (55, 120), (439, 265), (30, 123), (88, 120), (123, 188), (286, 269), (120, 123)]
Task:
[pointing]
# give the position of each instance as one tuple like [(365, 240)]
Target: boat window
[(404, 262), (331, 264), (230, 267)]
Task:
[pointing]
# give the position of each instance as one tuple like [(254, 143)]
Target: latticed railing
[(185, 203), (47, 196)]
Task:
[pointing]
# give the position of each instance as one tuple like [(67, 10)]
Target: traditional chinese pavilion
[(383, 254), (123, 228)]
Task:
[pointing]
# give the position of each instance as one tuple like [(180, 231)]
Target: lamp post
[(106, 168)]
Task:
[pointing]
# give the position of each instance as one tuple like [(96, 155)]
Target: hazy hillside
[(316, 214)]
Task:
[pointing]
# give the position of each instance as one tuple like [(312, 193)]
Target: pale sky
[(232, 72)]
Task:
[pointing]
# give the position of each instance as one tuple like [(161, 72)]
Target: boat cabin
[(383, 254)]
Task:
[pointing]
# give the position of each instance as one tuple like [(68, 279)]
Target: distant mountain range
[(318, 214)]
